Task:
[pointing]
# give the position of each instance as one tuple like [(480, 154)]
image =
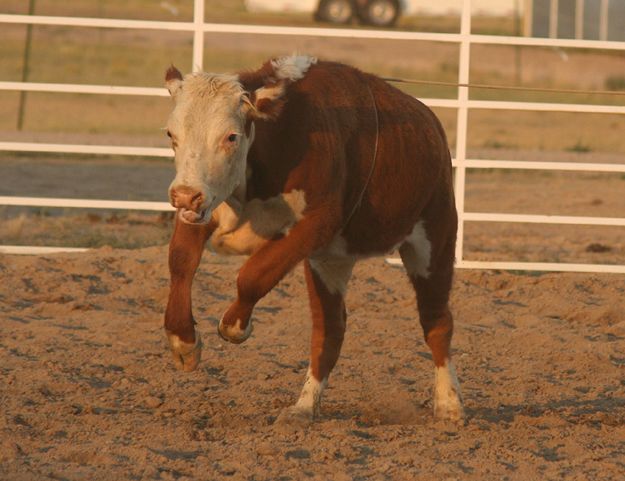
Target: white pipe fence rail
[(198, 27)]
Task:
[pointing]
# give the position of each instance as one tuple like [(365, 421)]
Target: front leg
[(269, 264), (185, 253)]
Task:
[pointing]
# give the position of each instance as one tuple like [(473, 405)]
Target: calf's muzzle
[(185, 197)]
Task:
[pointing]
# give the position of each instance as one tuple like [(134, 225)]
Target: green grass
[(579, 147), (615, 82), (496, 144)]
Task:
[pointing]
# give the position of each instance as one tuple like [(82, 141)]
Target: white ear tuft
[(293, 67)]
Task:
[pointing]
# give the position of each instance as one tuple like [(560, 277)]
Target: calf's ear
[(173, 81), (266, 102)]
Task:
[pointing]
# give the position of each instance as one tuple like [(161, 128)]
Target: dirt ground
[(88, 390), (87, 387)]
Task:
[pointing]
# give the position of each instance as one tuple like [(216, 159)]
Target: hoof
[(295, 417), (186, 355), (233, 332), (448, 405), (449, 412), (447, 396)]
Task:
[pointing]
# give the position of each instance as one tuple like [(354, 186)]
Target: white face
[(208, 132)]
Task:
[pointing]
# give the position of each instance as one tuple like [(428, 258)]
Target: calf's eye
[(232, 138)]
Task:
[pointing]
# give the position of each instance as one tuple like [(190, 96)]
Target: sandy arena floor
[(88, 391)]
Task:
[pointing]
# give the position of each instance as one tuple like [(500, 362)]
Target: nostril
[(186, 197), (196, 201), (173, 197)]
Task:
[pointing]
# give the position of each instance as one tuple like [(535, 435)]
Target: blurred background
[(138, 57)]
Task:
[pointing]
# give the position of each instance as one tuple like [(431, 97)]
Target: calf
[(316, 162)]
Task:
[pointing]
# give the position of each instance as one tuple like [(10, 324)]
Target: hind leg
[(326, 280), (429, 264)]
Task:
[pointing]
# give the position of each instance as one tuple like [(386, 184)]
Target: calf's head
[(211, 130)]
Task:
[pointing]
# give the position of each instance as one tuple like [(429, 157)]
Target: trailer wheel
[(380, 13), (335, 11)]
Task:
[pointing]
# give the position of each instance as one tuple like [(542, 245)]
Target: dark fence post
[(25, 66)]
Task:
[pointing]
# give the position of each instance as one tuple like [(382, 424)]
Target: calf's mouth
[(189, 216)]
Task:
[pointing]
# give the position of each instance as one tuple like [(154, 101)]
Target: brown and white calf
[(316, 162)]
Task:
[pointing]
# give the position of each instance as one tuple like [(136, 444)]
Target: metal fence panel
[(462, 103)]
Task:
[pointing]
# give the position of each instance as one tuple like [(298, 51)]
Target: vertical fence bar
[(553, 19), (461, 127), (25, 67), (528, 18), (603, 19), (198, 35), (579, 19), (517, 48)]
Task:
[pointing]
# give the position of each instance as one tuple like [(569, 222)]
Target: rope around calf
[(503, 87), (375, 155)]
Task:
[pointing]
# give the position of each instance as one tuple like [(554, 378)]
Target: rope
[(504, 87), (375, 155), (452, 84)]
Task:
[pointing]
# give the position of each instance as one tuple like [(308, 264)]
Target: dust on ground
[(89, 391)]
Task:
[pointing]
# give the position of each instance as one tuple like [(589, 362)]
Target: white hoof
[(295, 416), (186, 355), (450, 409), (307, 408), (234, 333), (447, 395)]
